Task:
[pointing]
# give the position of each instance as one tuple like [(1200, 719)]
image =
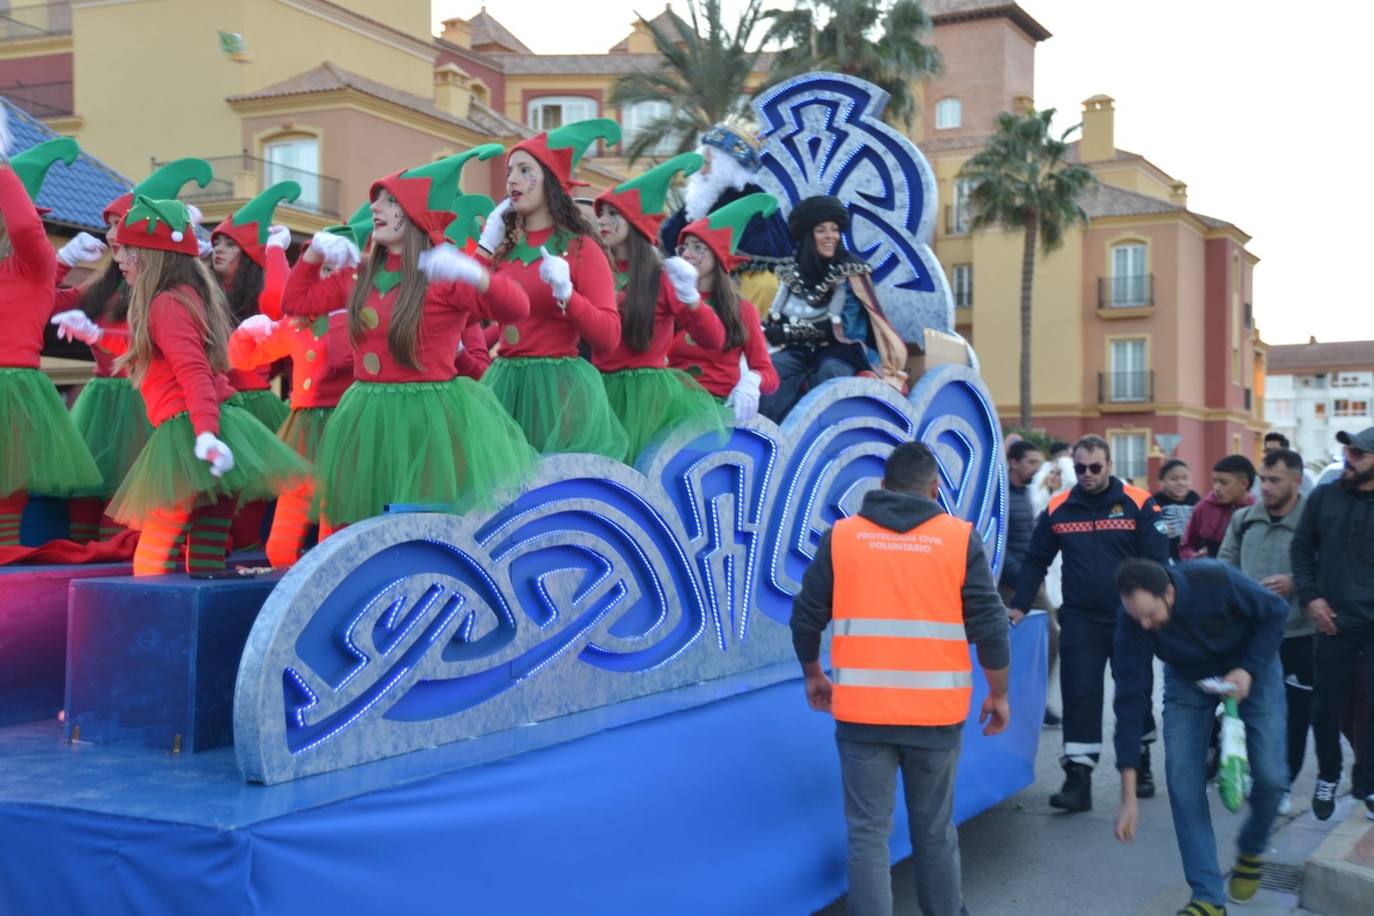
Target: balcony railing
[(957, 220), (1125, 387), (42, 100), (35, 20), (244, 176), (1132, 291)]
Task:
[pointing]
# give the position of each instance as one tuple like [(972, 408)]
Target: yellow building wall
[(410, 16), (1133, 177), (191, 78)]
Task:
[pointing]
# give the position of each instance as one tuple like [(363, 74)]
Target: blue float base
[(729, 806)]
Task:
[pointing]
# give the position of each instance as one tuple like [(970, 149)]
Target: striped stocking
[(83, 518), (209, 541), (289, 526), (160, 542)]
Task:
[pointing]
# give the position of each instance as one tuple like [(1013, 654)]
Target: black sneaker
[(1324, 799), (1052, 719), (1144, 778)]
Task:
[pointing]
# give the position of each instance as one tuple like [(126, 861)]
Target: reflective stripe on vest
[(900, 653)]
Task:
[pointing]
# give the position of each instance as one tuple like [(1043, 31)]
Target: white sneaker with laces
[(1286, 804)]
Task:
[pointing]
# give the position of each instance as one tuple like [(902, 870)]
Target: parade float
[(584, 700)]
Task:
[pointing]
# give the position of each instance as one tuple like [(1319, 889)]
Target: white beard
[(703, 191)]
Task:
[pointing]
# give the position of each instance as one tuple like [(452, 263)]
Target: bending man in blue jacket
[(1094, 526), (1203, 620)]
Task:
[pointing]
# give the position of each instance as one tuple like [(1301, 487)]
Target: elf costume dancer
[(543, 242), (474, 347), (741, 370), (109, 413), (321, 370), (40, 449), (409, 429), (656, 298), (249, 259), (205, 455)]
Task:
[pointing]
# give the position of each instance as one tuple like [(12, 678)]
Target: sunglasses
[(1094, 468)]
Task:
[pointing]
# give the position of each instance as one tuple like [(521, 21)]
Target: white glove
[(494, 229), (683, 277), (338, 252), (209, 448), (203, 247), (77, 325), (446, 264), (83, 249), (554, 271), (744, 399), (278, 237), (194, 215), (258, 327)]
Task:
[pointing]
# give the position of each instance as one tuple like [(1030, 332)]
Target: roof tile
[(76, 195)]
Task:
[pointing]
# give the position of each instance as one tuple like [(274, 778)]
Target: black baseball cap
[(1362, 440)]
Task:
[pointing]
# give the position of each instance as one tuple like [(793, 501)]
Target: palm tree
[(702, 78), (1021, 179), (864, 38)]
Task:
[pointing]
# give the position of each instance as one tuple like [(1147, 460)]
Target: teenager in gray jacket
[(1258, 542)]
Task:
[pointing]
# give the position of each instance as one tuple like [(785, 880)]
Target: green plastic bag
[(1234, 776)]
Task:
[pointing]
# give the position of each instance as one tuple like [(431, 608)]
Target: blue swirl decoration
[(598, 583), (823, 133)]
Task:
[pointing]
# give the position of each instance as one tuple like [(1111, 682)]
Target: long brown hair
[(565, 213), (640, 302), (403, 331), (725, 299), (102, 296), (188, 281), (245, 288)]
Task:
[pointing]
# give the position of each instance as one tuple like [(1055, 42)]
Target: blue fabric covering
[(731, 807), (76, 195)]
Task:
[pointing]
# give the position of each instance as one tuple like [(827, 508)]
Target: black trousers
[(1085, 651), (1295, 653), (1337, 661), (800, 369)]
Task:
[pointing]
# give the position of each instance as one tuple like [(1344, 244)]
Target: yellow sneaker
[(1245, 878), (1198, 908)]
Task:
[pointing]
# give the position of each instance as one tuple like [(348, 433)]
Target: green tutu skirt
[(41, 451), (168, 473), (303, 430), (655, 402), (265, 405), (112, 419), (560, 403), (423, 443)]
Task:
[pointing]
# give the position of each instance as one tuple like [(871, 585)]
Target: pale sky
[(1256, 105)]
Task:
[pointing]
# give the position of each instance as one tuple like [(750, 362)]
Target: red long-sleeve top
[(445, 314), (591, 315), (113, 342), (718, 369), (179, 377), (321, 358), (27, 275), (698, 322), (274, 278), (474, 358)]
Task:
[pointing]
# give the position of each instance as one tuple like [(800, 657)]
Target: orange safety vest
[(899, 653)]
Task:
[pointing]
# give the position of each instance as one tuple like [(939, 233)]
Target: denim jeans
[(869, 773), (1188, 717), (800, 370)]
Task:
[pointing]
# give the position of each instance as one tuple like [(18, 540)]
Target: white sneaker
[(1286, 804)]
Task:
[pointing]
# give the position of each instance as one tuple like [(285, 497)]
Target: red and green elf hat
[(561, 149), (161, 224), (164, 184), (358, 228), (33, 163), (721, 229), (248, 227), (640, 200), (466, 228), (426, 193)]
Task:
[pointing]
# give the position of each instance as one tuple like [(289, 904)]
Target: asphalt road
[(1024, 858)]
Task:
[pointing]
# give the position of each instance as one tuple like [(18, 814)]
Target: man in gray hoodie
[(1259, 541), (908, 587)]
